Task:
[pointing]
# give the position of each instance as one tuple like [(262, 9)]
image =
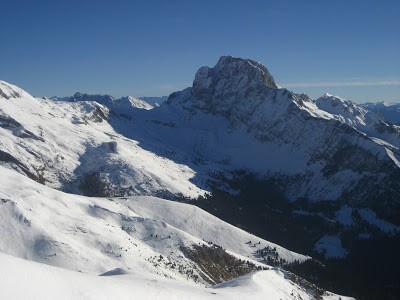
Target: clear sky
[(152, 48)]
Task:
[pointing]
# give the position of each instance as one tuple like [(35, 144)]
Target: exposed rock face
[(224, 88)]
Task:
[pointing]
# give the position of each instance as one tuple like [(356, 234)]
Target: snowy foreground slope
[(132, 241), (124, 237), (46, 282)]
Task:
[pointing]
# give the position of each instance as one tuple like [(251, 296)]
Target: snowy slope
[(123, 239), (135, 243), (71, 146), (97, 235), (46, 282)]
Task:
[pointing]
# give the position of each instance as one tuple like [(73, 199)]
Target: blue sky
[(348, 48)]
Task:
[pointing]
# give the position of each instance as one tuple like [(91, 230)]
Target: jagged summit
[(247, 65), (233, 72), (234, 88)]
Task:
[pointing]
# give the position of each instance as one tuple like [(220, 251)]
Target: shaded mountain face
[(321, 150)]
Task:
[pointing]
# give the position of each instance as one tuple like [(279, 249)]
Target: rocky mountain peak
[(248, 66), (234, 87), (232, 72)]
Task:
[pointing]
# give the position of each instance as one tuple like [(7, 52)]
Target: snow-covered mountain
[(360, 118), (233, 118), (389, 111)]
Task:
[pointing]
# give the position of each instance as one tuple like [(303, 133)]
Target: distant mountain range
[(110, 102)]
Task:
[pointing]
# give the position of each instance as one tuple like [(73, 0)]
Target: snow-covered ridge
[(110, 101), (345, 110), (8, 91), (360, 118), (389, 111), (154, 101), (120, 106)]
